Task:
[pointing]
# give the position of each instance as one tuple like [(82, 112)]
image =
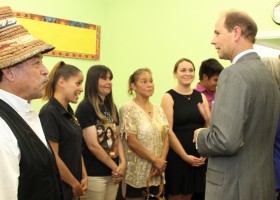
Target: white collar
[(235, 59), (17, 103)]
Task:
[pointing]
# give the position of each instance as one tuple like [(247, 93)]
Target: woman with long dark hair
[(105, 171)]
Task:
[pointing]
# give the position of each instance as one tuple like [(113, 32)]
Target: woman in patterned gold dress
[(144, 129)]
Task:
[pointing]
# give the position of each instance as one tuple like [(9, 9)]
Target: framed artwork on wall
[(71, 38)]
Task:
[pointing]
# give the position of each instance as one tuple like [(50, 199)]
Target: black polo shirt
[(62, 127)]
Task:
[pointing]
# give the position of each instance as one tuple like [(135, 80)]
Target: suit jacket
[(239, 142)]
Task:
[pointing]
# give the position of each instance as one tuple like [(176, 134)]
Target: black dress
[(182, 178)]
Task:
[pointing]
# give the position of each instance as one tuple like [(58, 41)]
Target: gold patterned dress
[(151, 132)]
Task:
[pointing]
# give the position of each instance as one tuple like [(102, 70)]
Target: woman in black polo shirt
[(62, 128)]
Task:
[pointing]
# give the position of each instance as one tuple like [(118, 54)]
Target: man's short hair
[(245, 22), (210, 67)]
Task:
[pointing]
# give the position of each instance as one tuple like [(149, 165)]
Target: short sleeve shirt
[(61, 126), (106, 135), (151, 133), (210, 96)]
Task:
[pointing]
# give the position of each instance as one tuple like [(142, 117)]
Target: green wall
[(147, 33)]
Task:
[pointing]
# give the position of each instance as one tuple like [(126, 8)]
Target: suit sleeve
[(225, 137)]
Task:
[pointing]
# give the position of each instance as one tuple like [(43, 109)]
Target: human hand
[(196, 132), (160, 164), (77, 190), (121, 168), (155, 172), (195, 161), (84, 184), (118, 173)]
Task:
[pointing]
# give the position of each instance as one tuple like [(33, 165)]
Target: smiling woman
[(62, 128), (185, 166)]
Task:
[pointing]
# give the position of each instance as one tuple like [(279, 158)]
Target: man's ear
[(8, 73), (237, 31)]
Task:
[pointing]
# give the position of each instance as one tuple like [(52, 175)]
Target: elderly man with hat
[(28, 170)]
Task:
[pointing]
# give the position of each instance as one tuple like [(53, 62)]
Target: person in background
[(144, 129), (28, 169), (239, 141), (273, 65), (98, 108), (62, 129), (209, 72), (185, 172)]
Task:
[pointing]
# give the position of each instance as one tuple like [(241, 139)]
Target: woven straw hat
[(16, 44)]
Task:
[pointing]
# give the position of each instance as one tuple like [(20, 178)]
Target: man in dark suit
[(239, 142)]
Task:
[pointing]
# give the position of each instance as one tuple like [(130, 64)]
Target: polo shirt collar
[(60, 108), (200, 88)]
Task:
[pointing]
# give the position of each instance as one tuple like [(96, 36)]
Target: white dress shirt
[(9, 150), (235, 59)]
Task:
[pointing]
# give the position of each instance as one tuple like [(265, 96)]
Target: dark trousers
[(119, 195), (198, 196)]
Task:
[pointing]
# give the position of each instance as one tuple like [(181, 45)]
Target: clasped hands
[(79, 189), (159, 166), (118, 174)]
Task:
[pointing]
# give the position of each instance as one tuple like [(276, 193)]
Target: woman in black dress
[(185, 172)]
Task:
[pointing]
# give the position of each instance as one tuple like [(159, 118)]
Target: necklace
[(185, 92), (107, 113), (188, 97), (147, 108)]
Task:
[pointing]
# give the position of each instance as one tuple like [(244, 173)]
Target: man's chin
[(39, 94)]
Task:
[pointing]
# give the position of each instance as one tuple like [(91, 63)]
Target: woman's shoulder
[(84, 105), (49, 107), (129, 108), (156, 106), (171, 91), (128, 105), (197, 94), (84, 102), (84, 108)]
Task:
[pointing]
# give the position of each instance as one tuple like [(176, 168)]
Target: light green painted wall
[(147, 33), (88, 11)]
